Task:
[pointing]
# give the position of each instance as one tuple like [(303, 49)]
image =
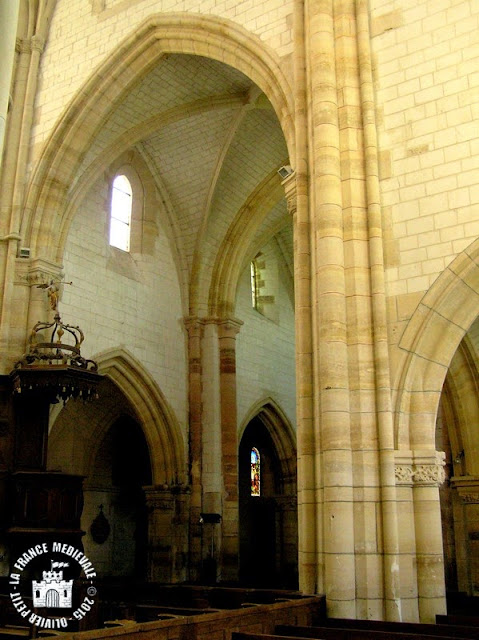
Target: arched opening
[(195, 112), (457, 435), (115, 514), (267, 510), (437, 410), (120, 212)]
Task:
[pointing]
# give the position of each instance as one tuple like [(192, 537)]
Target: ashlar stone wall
[(427, 87), (265, 347), (126, 300)]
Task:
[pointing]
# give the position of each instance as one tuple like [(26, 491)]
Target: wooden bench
[(10, 627), (458, 620), (457, 631), (10, 632), (341, 626), (330, 633), (149, 612), (340, 633)]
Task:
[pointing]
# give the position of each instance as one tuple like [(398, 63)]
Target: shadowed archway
[(267, 502)]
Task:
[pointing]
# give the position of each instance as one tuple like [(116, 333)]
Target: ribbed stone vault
[(210, 138)]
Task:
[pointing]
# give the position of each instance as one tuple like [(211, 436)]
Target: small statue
[(53, 291)]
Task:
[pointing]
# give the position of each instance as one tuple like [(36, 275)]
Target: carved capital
[(37, 43), (429, 474), (194, 325), (162, 497), (419, 468), (404, 474), (38, 271), (290, 191), (22, 45), (228, 327)]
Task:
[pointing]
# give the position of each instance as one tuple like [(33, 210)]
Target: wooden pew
[(330, 633), (10, 621), (340, 633), (458, 620), (379, 626), (457, 631), (149, 612)]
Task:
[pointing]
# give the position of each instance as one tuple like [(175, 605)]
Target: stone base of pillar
[(168, 518)]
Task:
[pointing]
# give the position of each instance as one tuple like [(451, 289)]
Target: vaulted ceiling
[(214, 145)]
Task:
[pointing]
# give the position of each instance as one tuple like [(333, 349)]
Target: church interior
[(239, 315)]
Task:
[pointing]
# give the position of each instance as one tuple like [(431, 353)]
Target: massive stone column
[(297, 196), (333, 459), (346, 459)]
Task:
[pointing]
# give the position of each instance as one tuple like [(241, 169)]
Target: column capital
[(291, 192), (162, 496), (229, 327), (37, 271), (419, 468), (22, 45), (37, 43), (194, 324)]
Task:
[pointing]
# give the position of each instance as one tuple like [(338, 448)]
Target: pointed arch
[(429, 343), (281, 432), (160, 34), (159, 424), (231, 255)]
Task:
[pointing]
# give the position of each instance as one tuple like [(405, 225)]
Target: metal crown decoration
[(55, 367)]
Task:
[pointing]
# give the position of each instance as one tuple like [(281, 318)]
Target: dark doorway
[(131, 471), (122, 468), (268, 543)]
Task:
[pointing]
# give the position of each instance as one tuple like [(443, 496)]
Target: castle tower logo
[(38, 600), (53, 591)]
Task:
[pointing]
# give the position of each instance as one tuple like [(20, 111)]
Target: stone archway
[(211, 37), (81, 441), (268, 515), (428, 345)]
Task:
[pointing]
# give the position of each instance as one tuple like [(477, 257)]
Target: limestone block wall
[(83, 34), (427, 87), (126, 300), (265, 359)]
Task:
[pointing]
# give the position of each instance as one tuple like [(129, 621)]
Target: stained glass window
[(255, 472), (121, 199)]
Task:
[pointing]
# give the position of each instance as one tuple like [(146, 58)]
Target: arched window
[(254, 284), (120, 213), (255, 472)]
